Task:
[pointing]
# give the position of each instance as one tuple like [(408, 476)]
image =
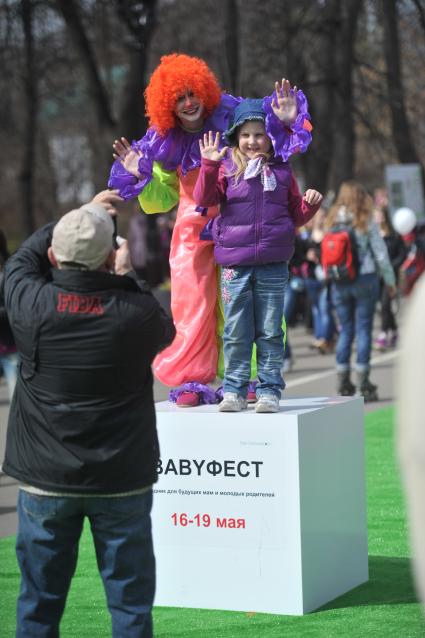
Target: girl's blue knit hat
[(249, 109)]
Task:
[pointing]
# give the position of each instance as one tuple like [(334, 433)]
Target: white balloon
[(404, 220)]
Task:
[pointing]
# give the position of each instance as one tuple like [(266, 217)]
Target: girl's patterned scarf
[(259, 166)]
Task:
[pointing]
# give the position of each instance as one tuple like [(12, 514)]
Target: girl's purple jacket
[(254, 226)]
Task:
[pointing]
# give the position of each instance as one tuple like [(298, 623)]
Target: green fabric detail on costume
[(162, 192), (220, 328)]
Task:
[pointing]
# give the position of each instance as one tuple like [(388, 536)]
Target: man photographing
[(81, 436)]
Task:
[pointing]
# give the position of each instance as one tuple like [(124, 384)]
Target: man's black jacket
[(82, 419)]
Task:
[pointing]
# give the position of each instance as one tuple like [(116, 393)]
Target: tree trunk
[(71, 15), (317, 161), (104, 129), (344, 139), (400, 125), (140, 20), (231, 47), (132, 122), (30, 127)]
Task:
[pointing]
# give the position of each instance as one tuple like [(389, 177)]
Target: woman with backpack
[(355, 281)]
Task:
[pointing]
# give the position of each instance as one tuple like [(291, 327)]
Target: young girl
[(260, 205)]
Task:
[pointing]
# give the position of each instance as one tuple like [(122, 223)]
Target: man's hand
[(128, 157), (312, 197), (209, 147), (284, 102), (108, 199), (122, 259)]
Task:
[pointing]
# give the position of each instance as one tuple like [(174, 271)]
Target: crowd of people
[(328, 309)]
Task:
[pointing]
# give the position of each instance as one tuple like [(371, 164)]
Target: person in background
[(294, 297), (81, 437), (397, 253), (317, 289), (8, 354), (254, 235), (355, 301), (405, 222)]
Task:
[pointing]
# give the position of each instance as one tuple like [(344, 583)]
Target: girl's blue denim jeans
[(355, 305), (253, 298), (49, 530)]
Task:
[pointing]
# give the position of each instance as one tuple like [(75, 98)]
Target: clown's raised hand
[(284, 102), (128, 157), (209, 147)]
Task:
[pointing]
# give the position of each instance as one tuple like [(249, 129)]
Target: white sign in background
[(405, 188), (242, 498)]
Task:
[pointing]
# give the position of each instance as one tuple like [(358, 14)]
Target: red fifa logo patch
[(77, 304)]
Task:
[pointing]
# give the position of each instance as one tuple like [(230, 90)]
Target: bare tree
[(400, 125), (74, 72), (320, 87), (344, 139), (71, 14), (231, 47), (30, 126), (105, 123), (139, 19), (420, 8)]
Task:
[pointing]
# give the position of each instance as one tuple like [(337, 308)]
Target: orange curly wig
[(176, 74)]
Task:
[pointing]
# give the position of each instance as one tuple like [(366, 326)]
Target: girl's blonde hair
[(357, 201)]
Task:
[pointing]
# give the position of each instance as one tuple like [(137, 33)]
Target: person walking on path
[(81, 438), (254, 235), (355, 300), (397, 252)]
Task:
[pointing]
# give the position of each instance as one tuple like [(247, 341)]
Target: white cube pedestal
[(260, 512)]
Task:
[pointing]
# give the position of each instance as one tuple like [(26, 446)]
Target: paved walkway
[(312, 375)]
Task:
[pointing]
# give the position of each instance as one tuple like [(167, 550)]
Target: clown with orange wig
[(183, 101)]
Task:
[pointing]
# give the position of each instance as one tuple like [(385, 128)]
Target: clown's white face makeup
[(189, 109), (253, 139)]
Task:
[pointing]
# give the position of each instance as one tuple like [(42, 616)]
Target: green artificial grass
[(384, 606)]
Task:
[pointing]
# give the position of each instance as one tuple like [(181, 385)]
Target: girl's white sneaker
[(232, 403), (267, 403)]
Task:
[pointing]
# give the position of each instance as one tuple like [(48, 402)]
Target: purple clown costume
[(168, 168)]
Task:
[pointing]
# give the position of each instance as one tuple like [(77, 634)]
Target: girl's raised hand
[(209, 147), (312, 197), (284, 102), (128, 157)]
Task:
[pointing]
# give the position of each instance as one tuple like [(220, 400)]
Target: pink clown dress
[(193, 355)]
